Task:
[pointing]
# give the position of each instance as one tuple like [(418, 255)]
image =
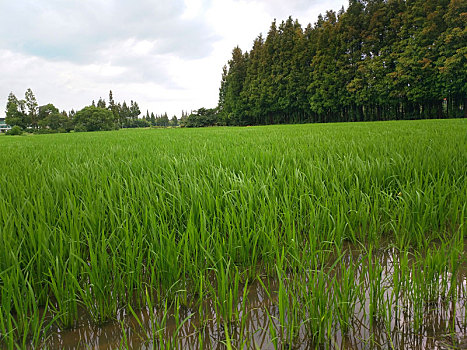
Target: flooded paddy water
[(393, 299)]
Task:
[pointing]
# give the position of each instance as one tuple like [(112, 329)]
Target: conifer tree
[(376, 60), (32, 106)]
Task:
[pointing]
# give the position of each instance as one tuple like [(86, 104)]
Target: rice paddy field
[(321, 236)]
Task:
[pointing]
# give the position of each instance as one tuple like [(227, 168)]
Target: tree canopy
[(376, 60), (27, 114), (93, 118)]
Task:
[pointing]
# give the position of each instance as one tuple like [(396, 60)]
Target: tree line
[(377, 60), (26, 114)]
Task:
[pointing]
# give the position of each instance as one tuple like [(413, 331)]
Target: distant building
[(4, 127)]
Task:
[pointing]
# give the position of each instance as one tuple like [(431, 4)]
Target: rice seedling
[(376, 291), (166, 219), (22, 323), (64, 292), (345, 289), (99, 288), (317, 304)]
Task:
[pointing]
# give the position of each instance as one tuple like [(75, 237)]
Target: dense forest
[(377, 60)]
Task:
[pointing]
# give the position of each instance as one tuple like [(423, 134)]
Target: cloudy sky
[(165, 54)]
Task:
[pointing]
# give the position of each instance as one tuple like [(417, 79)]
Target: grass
[(137, 218)]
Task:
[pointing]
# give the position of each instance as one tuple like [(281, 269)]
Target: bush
[(44, 131), (16, 130)]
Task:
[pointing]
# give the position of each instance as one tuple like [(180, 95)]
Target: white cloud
[(165, 54), (192, 9)]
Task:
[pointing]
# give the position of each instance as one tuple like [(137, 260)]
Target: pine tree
[(114, 108)]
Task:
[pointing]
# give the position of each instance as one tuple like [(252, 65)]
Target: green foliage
[(15, 112), (15, 130), (202, 117), (31, 103), (50, 118), (79, 128), (46, 110), (377, 60), (94, 119)]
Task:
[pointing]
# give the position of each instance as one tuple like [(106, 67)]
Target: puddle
[(441, 322)]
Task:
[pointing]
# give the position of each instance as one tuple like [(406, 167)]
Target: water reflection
[(443, 325)]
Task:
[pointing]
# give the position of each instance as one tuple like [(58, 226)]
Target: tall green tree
[(124, 114), (375, 60), (114, 108), (233, 85), (134, 110), (15, 113), (452, 61), (31, 104), (101, 103)]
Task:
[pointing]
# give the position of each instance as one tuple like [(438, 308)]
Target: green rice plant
[(289, 310), (7, 338), (163, 263), (124, 341), (131, 252), (97, 289), (272, 320), (22, 323), (345, 290), (157, 334), (134, 210), (226, 293), (400, 283), (228, 343), (417, 295), (243, 341), (456, 258), (7, 320), (64, 291), (376, 291), (157, 324), (431, 272), (317, 305)]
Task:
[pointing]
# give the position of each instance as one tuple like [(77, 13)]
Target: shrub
[(15, 130)]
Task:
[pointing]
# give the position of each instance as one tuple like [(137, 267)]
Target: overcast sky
[(165, 54)]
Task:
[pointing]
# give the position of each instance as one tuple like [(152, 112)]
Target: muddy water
[(444, 323)]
